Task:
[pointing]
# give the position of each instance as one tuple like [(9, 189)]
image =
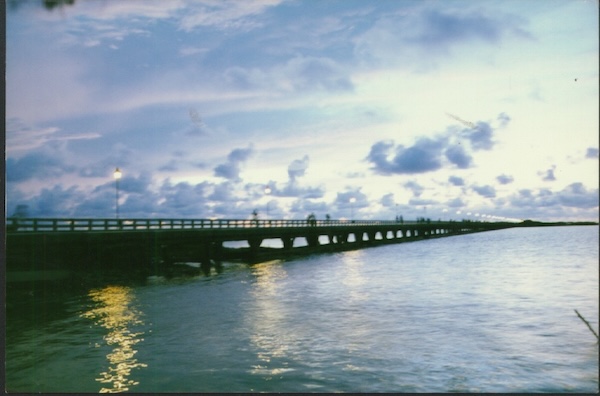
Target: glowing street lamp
[(117, 175)]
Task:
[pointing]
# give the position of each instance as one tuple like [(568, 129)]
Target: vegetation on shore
[(532, 223)]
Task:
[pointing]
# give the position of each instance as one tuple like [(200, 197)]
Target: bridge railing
[(66, 225)]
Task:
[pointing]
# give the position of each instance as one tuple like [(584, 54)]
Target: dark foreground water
[(487, 312)]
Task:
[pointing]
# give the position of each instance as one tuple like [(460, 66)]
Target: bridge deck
[(142, 243), (80, 225)]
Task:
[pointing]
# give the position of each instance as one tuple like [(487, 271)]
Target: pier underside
[(149, 252)]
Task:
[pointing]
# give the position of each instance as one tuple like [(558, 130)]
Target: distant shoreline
[(532, 223)]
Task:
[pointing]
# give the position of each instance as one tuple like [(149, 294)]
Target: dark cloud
[(120, 157), (298, 168), (504, 119), (437, 29), (132, 184), (171, 166), (421, 202), (343, 202), (525, 193), (424, 156), (56, 202), (458, 156), (505, 179), (240, 155), (100, 204), (415, 187), (480, 137), (388, 200), (455, 203), (548, 175), (36, 165), (379, 157), (223, 192), (591, 152), (440, 29), (575, 195), (527, 198), (231, 169), (421, 39), (427, 154), (485, 191), (456, 181), (183, 199), (145, 206), (309, 73), (293, 190)]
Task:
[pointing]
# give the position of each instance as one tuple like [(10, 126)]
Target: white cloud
[(326, 84), (21, 137), (226, 14)]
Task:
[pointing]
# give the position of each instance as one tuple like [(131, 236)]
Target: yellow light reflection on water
[(114, 310)]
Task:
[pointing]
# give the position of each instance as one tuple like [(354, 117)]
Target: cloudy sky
[(439, 109)]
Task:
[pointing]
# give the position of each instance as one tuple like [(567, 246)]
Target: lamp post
[(117, 175), (267, 192), (352, 200)]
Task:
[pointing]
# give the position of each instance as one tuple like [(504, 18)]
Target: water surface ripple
[(486, 312)]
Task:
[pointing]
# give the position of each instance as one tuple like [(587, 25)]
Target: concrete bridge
[(154, 245)]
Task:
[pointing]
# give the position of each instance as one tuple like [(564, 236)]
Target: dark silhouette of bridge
[(154, 245)]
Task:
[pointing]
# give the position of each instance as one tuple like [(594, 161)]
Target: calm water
[(488, 312)]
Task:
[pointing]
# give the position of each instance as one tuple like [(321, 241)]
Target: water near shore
[(486, 312)]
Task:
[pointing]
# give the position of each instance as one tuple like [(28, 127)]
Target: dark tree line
[(47, 4)]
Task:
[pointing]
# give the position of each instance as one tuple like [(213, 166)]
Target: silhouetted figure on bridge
[(255, 217), (312, 220)]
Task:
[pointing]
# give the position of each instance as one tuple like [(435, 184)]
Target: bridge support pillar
[(254, 245), (312, 240), (288, 242), (215, 250), (206, 250), (372, 236), (332, 239)]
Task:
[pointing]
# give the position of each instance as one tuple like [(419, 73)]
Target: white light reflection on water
[(270, 342), (116, 312), (353, 278)]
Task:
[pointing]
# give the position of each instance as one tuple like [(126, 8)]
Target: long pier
[(154, 245)]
